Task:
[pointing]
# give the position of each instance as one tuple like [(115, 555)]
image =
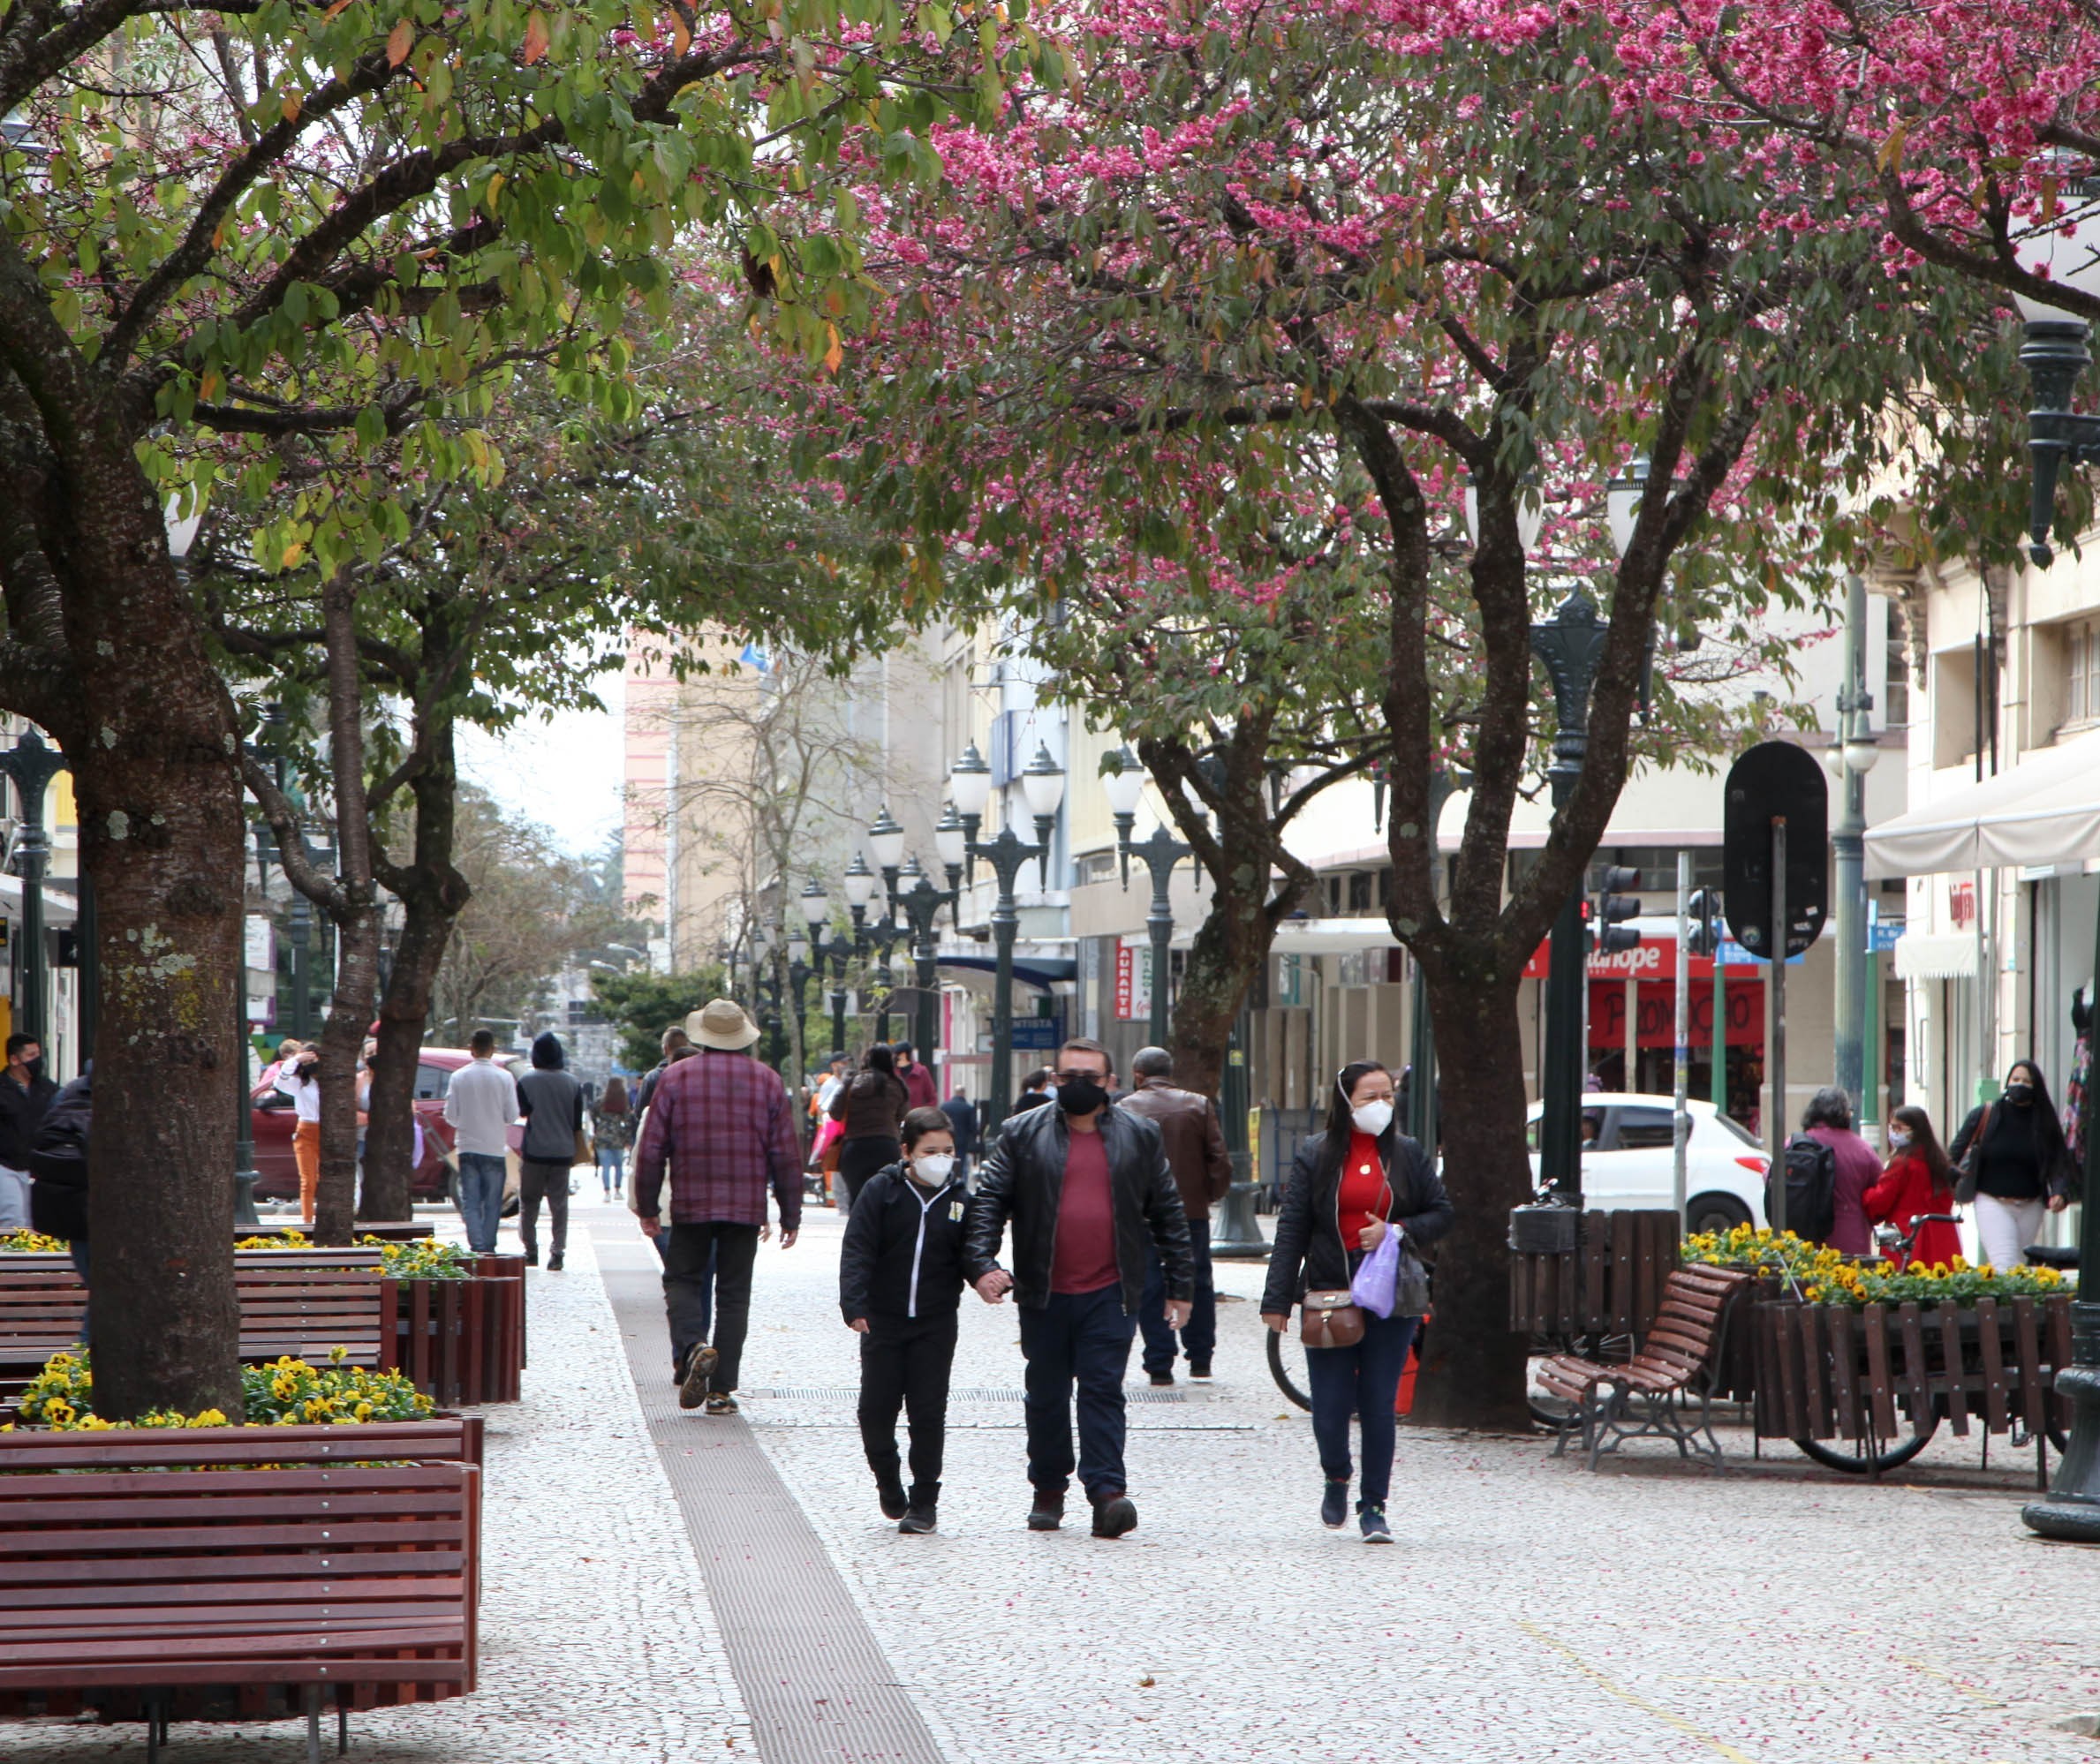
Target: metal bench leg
[(342, 1726), (152, 1731), (312, 1700)]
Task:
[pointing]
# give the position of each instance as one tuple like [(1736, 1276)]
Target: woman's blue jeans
[(1360, 1382)]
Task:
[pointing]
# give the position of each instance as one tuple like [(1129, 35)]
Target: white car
[(1628, 1161)]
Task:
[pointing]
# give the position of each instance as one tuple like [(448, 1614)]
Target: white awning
[(2045, 810), (1318, 937), (1936, 958)]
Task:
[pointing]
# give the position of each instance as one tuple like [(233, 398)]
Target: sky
[(563, 772)]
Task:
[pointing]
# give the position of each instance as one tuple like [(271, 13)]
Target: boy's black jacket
[(881, 1236)]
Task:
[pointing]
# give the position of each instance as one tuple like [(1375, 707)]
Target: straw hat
[(721, 1025)]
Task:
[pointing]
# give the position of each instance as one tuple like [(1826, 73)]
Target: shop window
[(1360, 900), (1953, 706), (2081, 674), (1895, 688)]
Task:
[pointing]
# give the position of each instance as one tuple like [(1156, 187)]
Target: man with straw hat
[(720, 1128)]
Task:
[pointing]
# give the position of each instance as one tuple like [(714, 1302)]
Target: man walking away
[(962, 1122), (552, 1103), (918, 1079), (24, 1096), (721, 1127), (1195, 1146), (674, 1039), (480, 1103), (1086, 1188)]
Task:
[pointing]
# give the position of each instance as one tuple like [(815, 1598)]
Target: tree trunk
[(1473, 1364), (162, 841)]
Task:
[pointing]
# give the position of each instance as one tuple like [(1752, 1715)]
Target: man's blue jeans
[(1082, 1339), (480, 1199), (1199, 1339), (1363, 1382)]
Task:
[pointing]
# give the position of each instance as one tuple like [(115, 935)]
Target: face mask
[(2020, 1094), (1372, 1118), (1081, 1096), (1898, 1138), (933, 1168)]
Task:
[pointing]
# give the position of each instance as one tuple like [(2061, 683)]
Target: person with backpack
[(1827, 1169)]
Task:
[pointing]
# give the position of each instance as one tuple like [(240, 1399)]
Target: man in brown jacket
[(1202, 1168)]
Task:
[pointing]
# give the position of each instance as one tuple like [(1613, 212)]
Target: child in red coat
[(1917, 1180)]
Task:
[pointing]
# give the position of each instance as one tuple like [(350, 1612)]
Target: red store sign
[(1656, 1025)]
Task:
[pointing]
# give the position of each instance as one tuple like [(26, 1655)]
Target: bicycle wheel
[(1857, 1457), (1287, 1366)]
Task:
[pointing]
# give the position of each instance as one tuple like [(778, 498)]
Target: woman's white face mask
[(1373, 1117)]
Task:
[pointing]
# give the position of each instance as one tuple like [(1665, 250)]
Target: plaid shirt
[(724, 1125)]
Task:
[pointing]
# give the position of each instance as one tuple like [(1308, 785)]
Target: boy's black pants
[(904, 1363)]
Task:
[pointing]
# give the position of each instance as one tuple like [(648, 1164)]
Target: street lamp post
[(1042, 787), (799, 982), (921, 904), (2055, 354), (1856, 754), (1123, 784), (30, 766), (837, 950)]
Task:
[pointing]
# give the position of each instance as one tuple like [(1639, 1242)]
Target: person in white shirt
[(481, 1103), (297, 1079)]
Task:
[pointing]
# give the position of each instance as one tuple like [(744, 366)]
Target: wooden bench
[(392, 1231), (348, 1572), (304, 1308), (1654, 1392)]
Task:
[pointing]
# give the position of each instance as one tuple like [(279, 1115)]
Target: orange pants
[(305, 1152)]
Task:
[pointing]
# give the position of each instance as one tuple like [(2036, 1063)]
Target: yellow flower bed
[(26, 1242), (1825, 1276), (285, 1392)]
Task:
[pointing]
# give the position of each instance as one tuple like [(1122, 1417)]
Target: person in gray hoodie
[(552, 1103)]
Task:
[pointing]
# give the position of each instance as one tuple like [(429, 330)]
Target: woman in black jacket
[(1348, 1187), (900, 1282), (872, 1105)]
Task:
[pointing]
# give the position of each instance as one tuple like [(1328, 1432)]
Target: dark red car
[(273, 1119)]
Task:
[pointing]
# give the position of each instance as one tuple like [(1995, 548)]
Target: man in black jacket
[(24, 1094), (1087, 1189)]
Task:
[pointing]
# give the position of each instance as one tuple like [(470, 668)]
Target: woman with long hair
[(1351, 1185), (1917, 1180), (2022, 1165), (871, 1104), (612, 1132)]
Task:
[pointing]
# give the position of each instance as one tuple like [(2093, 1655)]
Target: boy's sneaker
[(1160, 1380), (720, 1403), (1114, 1516), (917, 1521), (1334, 1504), (693, 1379), (1048, 1512), (1200, 1370), (1375, 1529), (890, 1492)]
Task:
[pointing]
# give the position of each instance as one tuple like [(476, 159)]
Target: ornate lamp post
[(1855, 755), (1043, 788), (1160, 854), (766, 988), (921, 904), (30, 766), (799, 982), (2055, 353), (970, 789), (837, 950)]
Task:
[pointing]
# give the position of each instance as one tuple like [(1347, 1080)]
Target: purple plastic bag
[(1373, 1288)]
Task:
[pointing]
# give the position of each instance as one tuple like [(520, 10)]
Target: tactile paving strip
[(815, 1682)]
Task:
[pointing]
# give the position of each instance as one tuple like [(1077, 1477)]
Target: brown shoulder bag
[(1330, 1319)]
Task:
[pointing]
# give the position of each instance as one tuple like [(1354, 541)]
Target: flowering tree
[(238, 237), (1456, 246)]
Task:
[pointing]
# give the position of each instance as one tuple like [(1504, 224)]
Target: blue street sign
[(1037, 1035), (1734, 955)]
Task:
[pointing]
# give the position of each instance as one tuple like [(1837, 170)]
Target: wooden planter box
[(1830, 1372), (1611, 1284), (461, 1342)]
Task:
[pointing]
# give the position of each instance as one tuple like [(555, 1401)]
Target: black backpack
[(1810, 1173)]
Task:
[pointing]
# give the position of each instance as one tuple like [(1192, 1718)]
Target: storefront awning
[(1318, 937), (2044, 810), (1936, 958)]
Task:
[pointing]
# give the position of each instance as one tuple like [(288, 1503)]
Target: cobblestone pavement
[(1531, 1611), (597, 1643)]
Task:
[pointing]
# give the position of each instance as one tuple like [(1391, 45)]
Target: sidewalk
[(1531, 1611)]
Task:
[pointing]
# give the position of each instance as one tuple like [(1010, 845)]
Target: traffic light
[(1607, 933), (1705, 906)]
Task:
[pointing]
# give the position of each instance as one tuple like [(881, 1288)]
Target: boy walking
[(900, 1282)]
